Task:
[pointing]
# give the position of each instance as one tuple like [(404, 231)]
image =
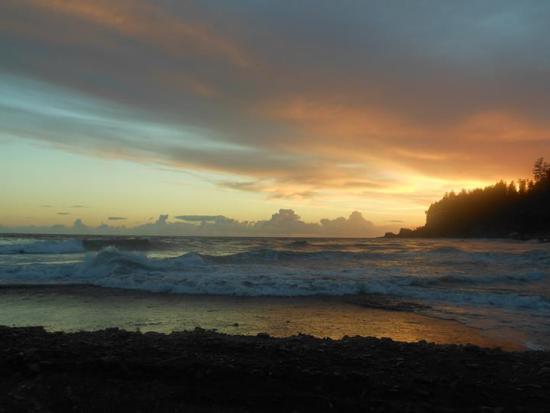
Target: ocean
[(501, 286)]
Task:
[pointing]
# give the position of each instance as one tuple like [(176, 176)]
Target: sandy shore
[(113, 370), (118, 371), (74, 308)]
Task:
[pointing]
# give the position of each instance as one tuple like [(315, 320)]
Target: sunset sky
[(118, 111)]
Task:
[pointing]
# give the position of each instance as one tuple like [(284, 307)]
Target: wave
[(471, 282), (110, 260), (268, 255), (505, 300), (43, 247), (299, 243), (111, 256), (445, 250), (70, 246), (277, 273), (134, 244), (532, 276)]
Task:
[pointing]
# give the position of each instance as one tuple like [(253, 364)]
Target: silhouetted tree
[(541, 170), (499, 210)]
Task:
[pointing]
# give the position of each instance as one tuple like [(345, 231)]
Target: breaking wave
[(482, 283), (285, 273)]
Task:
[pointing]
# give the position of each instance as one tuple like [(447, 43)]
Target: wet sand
[(260, 365), (87, 308)]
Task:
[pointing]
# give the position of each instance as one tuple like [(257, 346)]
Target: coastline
[(72, 308), (418, 233), (203, 371)]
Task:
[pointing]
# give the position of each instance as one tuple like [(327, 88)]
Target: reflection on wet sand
[(91, 308)]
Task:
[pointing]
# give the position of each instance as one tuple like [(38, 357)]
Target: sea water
[(497, 285)]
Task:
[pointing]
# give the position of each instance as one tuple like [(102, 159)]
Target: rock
[(34, 367), (206, 371)]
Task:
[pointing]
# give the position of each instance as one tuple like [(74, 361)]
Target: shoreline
[(204, 371), (72, 308)]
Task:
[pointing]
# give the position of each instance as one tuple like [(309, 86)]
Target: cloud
[(249, 186), (354, 225), (78, 206), (218, 219), (272, 190), (388, 93), (79, 226), (63, 213), (117, 218), (292, 195), (162, 219), (285, 222), (140, 21)]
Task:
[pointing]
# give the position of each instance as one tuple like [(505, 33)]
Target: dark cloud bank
[(283, 223)]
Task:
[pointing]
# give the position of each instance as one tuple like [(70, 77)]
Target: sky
[(116, 113)]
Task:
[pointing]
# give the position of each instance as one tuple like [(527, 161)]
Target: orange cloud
[(373, 135), (312, 108), (151, 25), (504, 127)]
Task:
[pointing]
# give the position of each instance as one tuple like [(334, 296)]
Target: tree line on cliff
[(516, 209)]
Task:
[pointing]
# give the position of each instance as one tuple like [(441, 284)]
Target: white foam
[(535, 346), (499, 284), (267, 272)]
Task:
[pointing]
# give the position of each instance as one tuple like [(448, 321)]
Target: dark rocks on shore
[(424, 232), (405, 233), (119, 371)]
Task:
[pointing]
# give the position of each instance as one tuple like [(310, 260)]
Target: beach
[(485, 292), (114, 370), (199, 324), (74, 308)]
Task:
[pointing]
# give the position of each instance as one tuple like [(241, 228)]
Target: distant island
[(505, 210)]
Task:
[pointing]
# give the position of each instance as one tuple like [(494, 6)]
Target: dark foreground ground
[(118, 371)]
